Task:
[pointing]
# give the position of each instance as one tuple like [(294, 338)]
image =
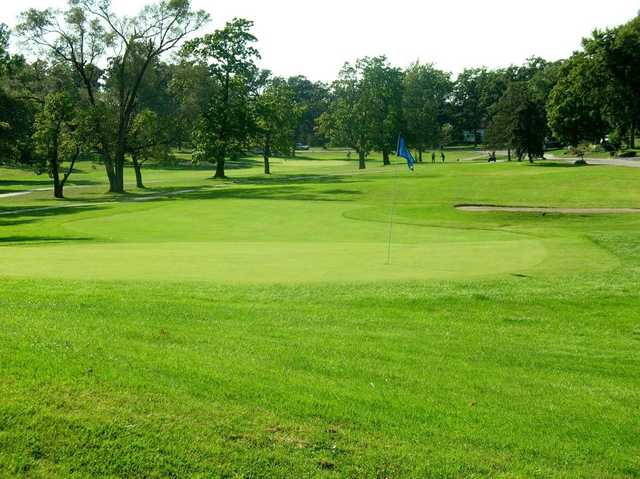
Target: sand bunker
[(533, 209)]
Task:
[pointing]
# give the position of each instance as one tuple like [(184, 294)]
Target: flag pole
[(401, 151), (393, 210), (391, 218)]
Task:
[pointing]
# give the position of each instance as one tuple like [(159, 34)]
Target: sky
[(314, 38)]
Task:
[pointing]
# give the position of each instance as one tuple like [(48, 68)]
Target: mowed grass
[(251, 328)]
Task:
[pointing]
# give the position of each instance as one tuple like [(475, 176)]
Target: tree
[(312, 100), (619, 51), (276, 117), (148, 139), (348, 120), (577, 104), (381, 93), (230, 58), (425, 92), (469, 100), (57, 136), (501, 130), (18, 102), (156, 124), (87, 32), (189, 85), (519, 121)]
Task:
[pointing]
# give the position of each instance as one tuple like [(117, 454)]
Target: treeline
[(123, 90)]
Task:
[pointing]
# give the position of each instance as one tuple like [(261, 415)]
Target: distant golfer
[(433, 157), (442, 157)]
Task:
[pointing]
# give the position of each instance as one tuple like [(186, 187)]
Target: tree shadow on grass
[(30, 185), (243, 163), (34, 240), (292, 188), (353, 159), (279, 192), (294, 179), (556, 164), (11, 213)]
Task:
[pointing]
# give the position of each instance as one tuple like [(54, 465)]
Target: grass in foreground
[(253, 330)]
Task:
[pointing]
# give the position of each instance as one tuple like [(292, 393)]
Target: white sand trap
[(532, 209)]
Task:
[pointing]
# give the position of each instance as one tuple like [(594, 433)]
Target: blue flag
[(404, 152)]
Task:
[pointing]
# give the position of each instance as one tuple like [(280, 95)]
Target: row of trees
[(597, 96), (102, 88), (593, 97)]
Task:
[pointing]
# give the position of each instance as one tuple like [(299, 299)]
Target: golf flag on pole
[(404, 152)]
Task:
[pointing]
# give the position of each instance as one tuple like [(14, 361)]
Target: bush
[(627, 154), (580, 163)]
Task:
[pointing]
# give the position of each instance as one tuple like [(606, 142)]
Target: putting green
[(265, 242), (272, 261)]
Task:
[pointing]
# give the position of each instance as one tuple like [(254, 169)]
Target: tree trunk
[(362, 163), (116, 182), (117, 185), (420, 156), (266, 152), (111, 175), (58, 187), (632, 137), (137, 167), (54, 168), (509, 154), (385, 157), (219, 175)]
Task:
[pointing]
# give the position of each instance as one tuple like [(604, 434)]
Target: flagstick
[(393, 208)]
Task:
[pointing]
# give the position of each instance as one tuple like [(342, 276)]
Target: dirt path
[(631, 163), (534, 209), (36, 190), (100, 203)]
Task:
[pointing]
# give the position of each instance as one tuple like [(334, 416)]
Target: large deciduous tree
[(19, 102), (577, 104), (276, 118), (149, 139), (87, 33), (425, 91), (230, 58), (520, 120), (619, 51), (311, 99), (381, 91), (59, 138), (348, 120)]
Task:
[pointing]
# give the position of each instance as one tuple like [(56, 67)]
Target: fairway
[(252, 328), (312, 223)]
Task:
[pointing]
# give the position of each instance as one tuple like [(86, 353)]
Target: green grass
[(251, 328)]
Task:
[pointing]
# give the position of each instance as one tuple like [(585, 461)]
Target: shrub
[(627, 154)]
